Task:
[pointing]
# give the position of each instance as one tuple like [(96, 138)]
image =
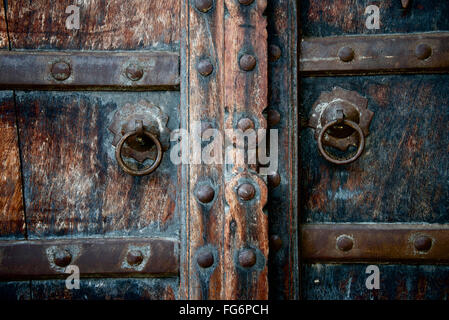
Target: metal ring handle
[(143, 172), (354, 126)]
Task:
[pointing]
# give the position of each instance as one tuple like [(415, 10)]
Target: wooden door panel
[(398, 282), (340, 17), (104, 25), (73, 185), (398, 178), (12, 219)]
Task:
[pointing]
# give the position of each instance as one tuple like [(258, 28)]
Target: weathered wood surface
[(282, 201), (202, 101), (12, 220), (104, 25), (106, 289), (402, 176), (4, 43), (224, 226), (320, 18), (397, 282), (72, 183)]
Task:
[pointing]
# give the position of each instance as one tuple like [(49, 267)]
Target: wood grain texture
[(246, 95), (12, 220), (224, 226), (397, 282), (202, 101), (322, 18), (3, 29), (104, 25), (73, 185), (282, 202), (402, 176)]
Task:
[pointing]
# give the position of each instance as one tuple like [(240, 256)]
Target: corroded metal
[(246, 191), (349, 243), (341, 119), (205, 193), (247, 258), (247, 62), (94, 257), (154, 121), (99, 70), (394, 53)]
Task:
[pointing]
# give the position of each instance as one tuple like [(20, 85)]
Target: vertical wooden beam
[(225, 238), (282, 114), (201, 95)]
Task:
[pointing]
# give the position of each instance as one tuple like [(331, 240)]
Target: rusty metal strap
[(348, 243), (396, 53), (97, 70), (130, 257)]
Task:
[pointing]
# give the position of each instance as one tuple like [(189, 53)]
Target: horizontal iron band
[(89, 70), (383, 243), (94, 258), (375, 54)]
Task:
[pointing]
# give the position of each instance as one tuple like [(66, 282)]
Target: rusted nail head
[(205, 68), (273, 118), (274, 179), (346, 54), (275, 242), (246, 191), (275, 52), (245, 124), (247, 258), (345, 243), (134, 72), (205, 259), (423, 51), (204, 5), (423, 243), (62, 258), (60, 70), (246, 2), (205, 194), (134, 257), (247, 62)]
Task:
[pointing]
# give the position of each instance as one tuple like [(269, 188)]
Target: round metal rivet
[(245, 124), (275, 52), (247, 62), (273, 118), (134, 257), (204, 5), (247, 258), (134, 72), (62, 258), (246, 191), (423, 51), (275, 242), (60, 71), (423, 243), (274, 180), (246, 2), (346, 54), (205, 68), (205, 194), (344, 243), (205, 259)]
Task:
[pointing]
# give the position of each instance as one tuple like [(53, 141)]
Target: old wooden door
[(374, 228), (92, 95)]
